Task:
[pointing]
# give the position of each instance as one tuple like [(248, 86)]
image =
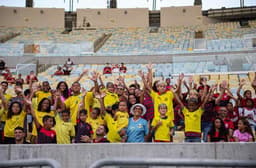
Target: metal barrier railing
[(30, 162), (172, 162)]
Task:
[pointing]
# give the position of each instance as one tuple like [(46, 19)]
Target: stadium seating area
[(131, 75), (225, 36), (219, 37)]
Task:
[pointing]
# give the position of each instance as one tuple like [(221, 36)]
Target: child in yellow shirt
[(162, 125), (122, 118), (192, 116)]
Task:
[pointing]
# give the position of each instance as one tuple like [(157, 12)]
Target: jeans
[(206, 127), (192, 139)]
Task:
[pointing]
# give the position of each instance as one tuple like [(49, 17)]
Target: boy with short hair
[(65, 130), (84, 130), (19, 136)]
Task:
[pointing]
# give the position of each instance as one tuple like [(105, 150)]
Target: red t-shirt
[(59, 73), (243, 102), (123, 69), (102, 140), (46, 136), (28, 79), (107, 70), (228, 123)]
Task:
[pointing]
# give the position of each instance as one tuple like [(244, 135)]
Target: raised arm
[(242, 83), (4, 102), (186, 85), (100, 97), (121, 79), (82, 103), (81, 75), (146, 84), (150, 74), (179, 83), (142, 95), (254, 83), (57, 101), (94, 78), (204, 83), (29, 103), (178, 100), (222, 91), (101, 81), (206, 98)]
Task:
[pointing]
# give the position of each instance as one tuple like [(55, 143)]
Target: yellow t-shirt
[(122, 120), (165, 98), (95, 123), (40, 115), (110, 99), (4, 114), (40, 95), (72, 103), (64, 130), (112, 135), (1, 112), (12, 123), (7, 96), (162, 133), (90, 102), (192, 120)]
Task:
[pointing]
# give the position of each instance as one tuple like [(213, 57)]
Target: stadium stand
[(190, 78), (222, 52)]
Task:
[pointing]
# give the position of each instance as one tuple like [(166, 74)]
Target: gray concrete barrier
[(83, 155)]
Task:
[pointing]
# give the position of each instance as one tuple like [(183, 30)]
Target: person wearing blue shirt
[(137, 130)]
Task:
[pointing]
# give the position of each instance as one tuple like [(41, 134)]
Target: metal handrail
[(30, 162), (172, 162)]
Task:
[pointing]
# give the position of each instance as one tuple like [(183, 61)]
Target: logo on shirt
[(140, 125)]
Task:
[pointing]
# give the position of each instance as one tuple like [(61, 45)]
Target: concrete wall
[(11, 61), (181, 16), (109, 18), (31, 17), (207, 20), (83, 155)]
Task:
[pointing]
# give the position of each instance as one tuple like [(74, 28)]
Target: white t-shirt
[(248, 113)]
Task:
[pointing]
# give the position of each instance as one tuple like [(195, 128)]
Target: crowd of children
[(116, 112)]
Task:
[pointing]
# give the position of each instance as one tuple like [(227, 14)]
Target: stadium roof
[(207, 4)]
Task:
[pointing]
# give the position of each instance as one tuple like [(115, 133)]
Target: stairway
[(70, 20), (154, 18)]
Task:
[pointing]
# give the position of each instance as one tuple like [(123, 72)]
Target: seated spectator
[(122, 68), (19, 80), (229, 125), (31, 77), (69, 62), (6, 72), (218, 132), (67, 69), (9, 78), (19, 136), (2, 65), (244, 132), (107, 69), (115, 68), (59, 71)]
